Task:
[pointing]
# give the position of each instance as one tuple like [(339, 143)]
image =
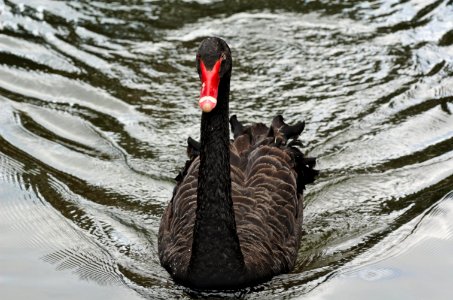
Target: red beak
[(210, 80)]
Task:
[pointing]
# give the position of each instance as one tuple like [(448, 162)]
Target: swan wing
[(268, 174)]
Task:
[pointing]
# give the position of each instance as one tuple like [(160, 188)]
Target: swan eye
[(223, 56)]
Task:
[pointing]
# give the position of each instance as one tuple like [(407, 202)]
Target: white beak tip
[(207, 103)]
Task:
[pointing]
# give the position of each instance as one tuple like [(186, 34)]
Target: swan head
[(213, 64)]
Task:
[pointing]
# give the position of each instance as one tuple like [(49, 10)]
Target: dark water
[(97, 99)]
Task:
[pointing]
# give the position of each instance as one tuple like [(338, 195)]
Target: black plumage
[(236, 213)]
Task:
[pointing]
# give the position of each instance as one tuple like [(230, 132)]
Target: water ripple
[(98, 97)]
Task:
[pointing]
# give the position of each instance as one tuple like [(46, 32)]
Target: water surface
[(97, 99)]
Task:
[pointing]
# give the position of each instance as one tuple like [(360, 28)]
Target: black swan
[(236, 213)]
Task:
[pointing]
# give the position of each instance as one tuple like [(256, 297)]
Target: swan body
[(236, 213)]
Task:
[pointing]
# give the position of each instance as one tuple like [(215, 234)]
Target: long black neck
[(216, 254)]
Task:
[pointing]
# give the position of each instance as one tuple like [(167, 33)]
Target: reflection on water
[(413, 262), (97, 99)]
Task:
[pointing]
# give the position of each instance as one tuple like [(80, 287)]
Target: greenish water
[(97, 99)]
